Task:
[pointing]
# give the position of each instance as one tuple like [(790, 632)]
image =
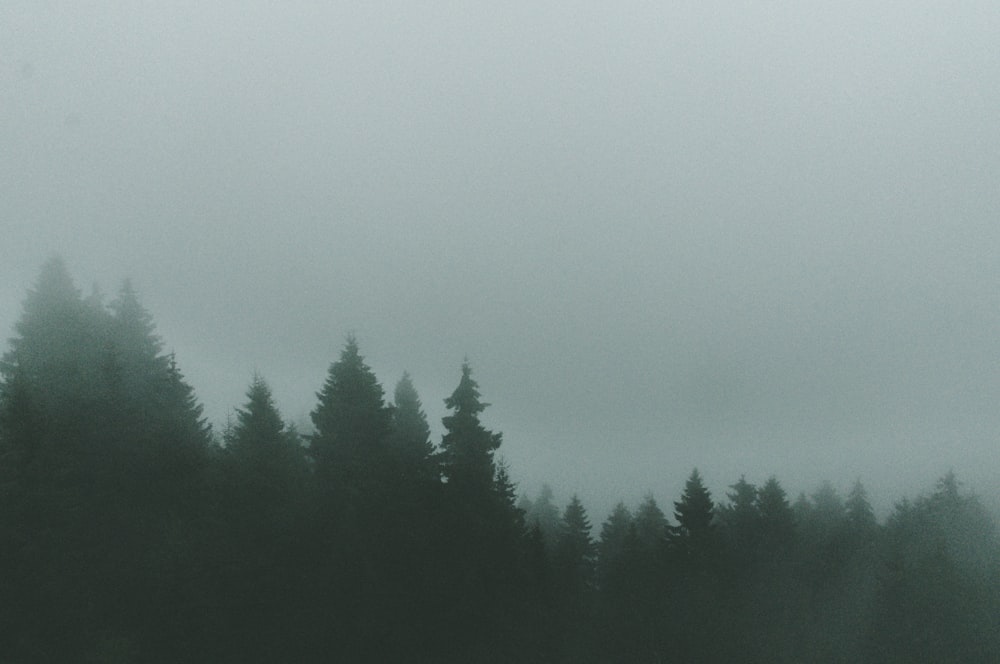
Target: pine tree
[(611, 546), (739, 520), (777, 522), (467, 446), (859, 512), (694, 511), (352, 425), (575, 550), (545, 514), (262, 445), (57, 351), (261, 493), (651, 525), (411, 435)]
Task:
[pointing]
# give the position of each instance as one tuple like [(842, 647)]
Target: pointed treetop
[(351, 407), (135, 330), (651, 523), (409, 419), (467, 446), (258, 423), (695, 510), (411, 434), (465, 398), (859, 511)]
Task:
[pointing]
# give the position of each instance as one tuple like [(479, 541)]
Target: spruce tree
[(694, 511), (777, 522), (352, 424), (739, 522), (859, 513), (265, 470), (467, 446), (611, 545), (545, 514), (410, 439), (575, 550), (265, 450)]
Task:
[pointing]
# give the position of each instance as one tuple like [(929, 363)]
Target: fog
[(751, 238)]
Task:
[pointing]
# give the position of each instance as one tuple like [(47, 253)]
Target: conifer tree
[(651, 526), (56, 351), (411, 435), (859, 512), (545, 514), (352, 424), (575, 551), (777, 522), (260, 443), (739, 521), (611, 545), (467, 446), (260, 508), (694, 511)]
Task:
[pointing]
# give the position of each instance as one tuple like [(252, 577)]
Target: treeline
[(131, 532)]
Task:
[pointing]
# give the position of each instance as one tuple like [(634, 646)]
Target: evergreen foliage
[(410, 439), (352, 425), (467, 447), (126, 534)]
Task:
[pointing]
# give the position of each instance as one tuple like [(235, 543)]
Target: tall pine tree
[(352, 424), (467, 446)]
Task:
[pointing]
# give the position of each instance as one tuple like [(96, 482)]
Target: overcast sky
[(754, 237)]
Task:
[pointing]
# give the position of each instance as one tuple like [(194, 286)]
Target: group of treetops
[(131, 531)]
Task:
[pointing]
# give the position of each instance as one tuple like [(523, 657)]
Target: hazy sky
[(755, 238)]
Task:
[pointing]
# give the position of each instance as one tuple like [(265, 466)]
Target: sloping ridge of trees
[(130, 531)]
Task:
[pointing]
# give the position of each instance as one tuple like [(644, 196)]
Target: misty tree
[(939, 593), (776, 519), (265, 452), (410, 437), (858, 511), (57, 352), (467, 446), (259, 504), (612, 544), (544, 513), (573, 562), (694, 513), (352, 424), (575, 551)]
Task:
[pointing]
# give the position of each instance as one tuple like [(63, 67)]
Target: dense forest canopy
[(131, 530)]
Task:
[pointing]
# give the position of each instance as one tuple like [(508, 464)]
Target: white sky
[(755, 238)]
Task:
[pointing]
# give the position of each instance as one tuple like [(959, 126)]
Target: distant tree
[(352, 424), (777, 522), (57, 351), (695, 512), (410, 438), (642, 605), (859, 512), (828, 508), (267, 453), (574, 561), (651, 526), (611, 546), (467, 446), (117, 474), (543, 512), (484, 529), (575, 550), (262, 497), (739, 520), (937, 596)]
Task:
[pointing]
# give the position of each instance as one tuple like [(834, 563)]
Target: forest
[(132, 531)]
